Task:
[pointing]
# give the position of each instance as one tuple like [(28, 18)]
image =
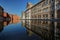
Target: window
[(40, 6), (45, 10), (46, 2), (58, 6), (39, 10), (57, 0), (39, 16), (52, 8), (51, 1), (45, 15), (52, 15)]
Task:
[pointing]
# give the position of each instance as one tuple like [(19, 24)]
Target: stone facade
[(23, 15), (42, 10), (45, 9), (57, 9)]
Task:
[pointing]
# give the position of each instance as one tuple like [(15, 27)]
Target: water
[(46, 29), (17, 32), (30, 30)]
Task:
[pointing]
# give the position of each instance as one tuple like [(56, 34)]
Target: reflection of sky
[(15, 6), (15, 32)]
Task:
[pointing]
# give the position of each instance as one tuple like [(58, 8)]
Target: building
[(28, 13), (1, 13), (28, 10), (23, 15), (11, 18), (6, 16), (45, 9), (57, 9), (16, 18)]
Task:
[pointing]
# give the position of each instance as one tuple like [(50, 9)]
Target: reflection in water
[(30, 33), (23, 22), (1, 26), (6, 22), (47, 30), (17, 32)]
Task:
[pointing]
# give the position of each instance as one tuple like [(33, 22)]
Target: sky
[(16, 6)]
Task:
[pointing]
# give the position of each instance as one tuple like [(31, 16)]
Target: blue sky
[(16, 6)]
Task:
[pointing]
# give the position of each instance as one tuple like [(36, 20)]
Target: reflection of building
[(1, 26), (23, 22), (5, 23), (29, 32), (57, 30), (43, 28)]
